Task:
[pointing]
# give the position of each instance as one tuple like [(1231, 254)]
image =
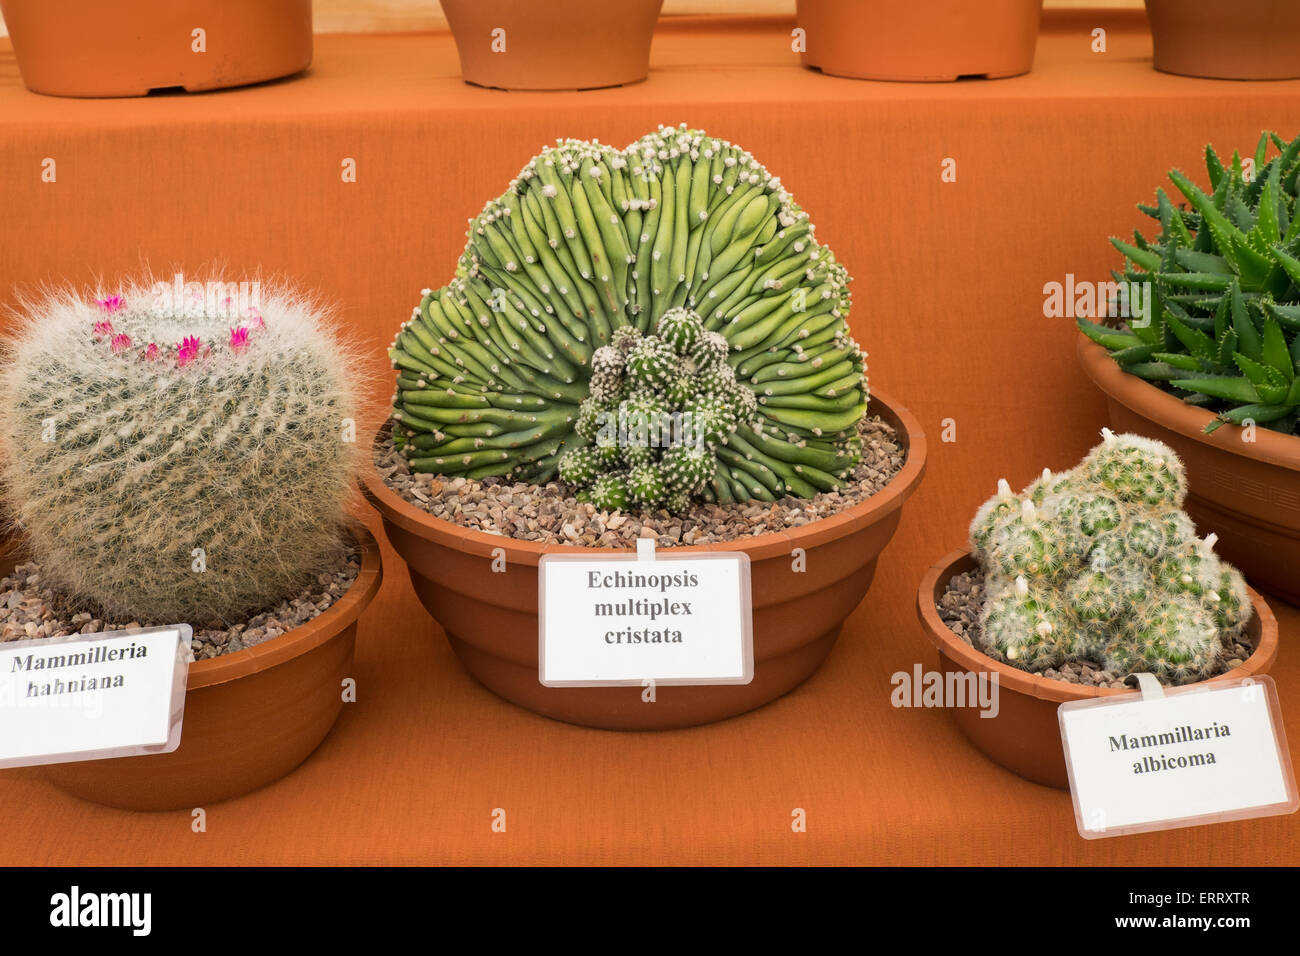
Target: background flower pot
[(1250, 40), (491, 618), (927, 40), (250, 717), (129, 47), (1248, 493), (556, 45), (1025, 736)]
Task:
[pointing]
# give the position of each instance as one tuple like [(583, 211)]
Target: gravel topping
[(29, 609), (549, 513), (963, 601)]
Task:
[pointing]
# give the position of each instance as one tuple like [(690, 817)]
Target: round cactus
[(678, 267), (1099, 564), (173, 461)]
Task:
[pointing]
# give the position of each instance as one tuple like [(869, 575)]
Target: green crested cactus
[(675, 276), (1101, 564), (175, 462), (1224, 323)]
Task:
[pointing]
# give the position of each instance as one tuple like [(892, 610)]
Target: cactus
[(1224, 329), (1101, 564), (676, 275), (164, 466)]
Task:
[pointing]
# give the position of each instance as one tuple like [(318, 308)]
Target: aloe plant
[(1223, 330)]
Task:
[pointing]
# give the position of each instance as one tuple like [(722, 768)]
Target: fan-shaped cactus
[(673, 272), (178, 461), (1101, 564), (1224, 327)]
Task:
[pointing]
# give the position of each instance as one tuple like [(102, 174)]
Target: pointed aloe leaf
[(1223, 232), (1256, 413), (1274, 351), (1204, 262), (1149, 261), (1196, 280), (1290, 264), (1287, 316), (1195, 341), (1105, 336), (1155, 371), (1171, 219), (1178, 360), (1249, 342), (1230, 388), (1267, 232), (1215, 167), (1269, 382), (1261, 151)]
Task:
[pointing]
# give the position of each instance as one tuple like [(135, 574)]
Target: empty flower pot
[(1249, 40), (557, 45), (129, 47), (921, 40)]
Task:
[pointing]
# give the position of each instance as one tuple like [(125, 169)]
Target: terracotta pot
[(491, 617), (250, 717), (920, 40), (129, 47), (1250, 40), (555, 45), (1248, 493), (1025, 736)]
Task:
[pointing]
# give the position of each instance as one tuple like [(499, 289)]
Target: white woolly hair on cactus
[(171, 462)]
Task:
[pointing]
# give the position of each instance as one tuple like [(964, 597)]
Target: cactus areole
[(656, 326)]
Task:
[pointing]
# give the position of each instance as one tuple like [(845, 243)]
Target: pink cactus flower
[(121, 343), (239, 338), (187, 351), (151, 351), (102, 330), (114, 303)]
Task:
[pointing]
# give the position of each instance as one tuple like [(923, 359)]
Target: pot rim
[(1046, 688), (1165, 409), (305, 637), (881, 504)]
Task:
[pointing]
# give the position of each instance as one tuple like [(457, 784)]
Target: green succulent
[(676, 272), (1100, 564), (1224, 323)]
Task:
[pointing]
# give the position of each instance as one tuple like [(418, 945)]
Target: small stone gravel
[(550, 513), (30, 609), (963, 600)]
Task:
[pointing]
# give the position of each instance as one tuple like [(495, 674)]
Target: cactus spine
[(1101, 564), (690, 261)]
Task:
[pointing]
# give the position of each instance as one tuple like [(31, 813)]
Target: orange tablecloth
[(948, 300)]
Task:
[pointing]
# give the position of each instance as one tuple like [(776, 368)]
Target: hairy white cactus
[(174, 461)]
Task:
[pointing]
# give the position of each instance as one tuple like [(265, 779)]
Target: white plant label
[(626, 620), (92, 696), (1177, 757)]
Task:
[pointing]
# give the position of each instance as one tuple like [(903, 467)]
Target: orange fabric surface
[(948, 301)]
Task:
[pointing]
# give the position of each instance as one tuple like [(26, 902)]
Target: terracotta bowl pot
[(129, 47), (552, 45), (491, 618), (1025, 736), (920, 40), (250, 717), (1248, 493), (1249, 40)]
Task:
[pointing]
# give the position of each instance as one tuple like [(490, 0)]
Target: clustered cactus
[(690, 245), (1101, 564), (171, 462), (1224, 329)]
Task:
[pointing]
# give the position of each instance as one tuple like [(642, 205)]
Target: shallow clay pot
[(129, 47), (1025, 736), (552, 45), (1248, 40), (1248, 493), (920, 40), (250, 717), (491, 617)]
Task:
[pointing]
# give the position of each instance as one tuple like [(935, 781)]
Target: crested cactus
[(178, 461), (676, 276), (1101, 564), (1223, 330)]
